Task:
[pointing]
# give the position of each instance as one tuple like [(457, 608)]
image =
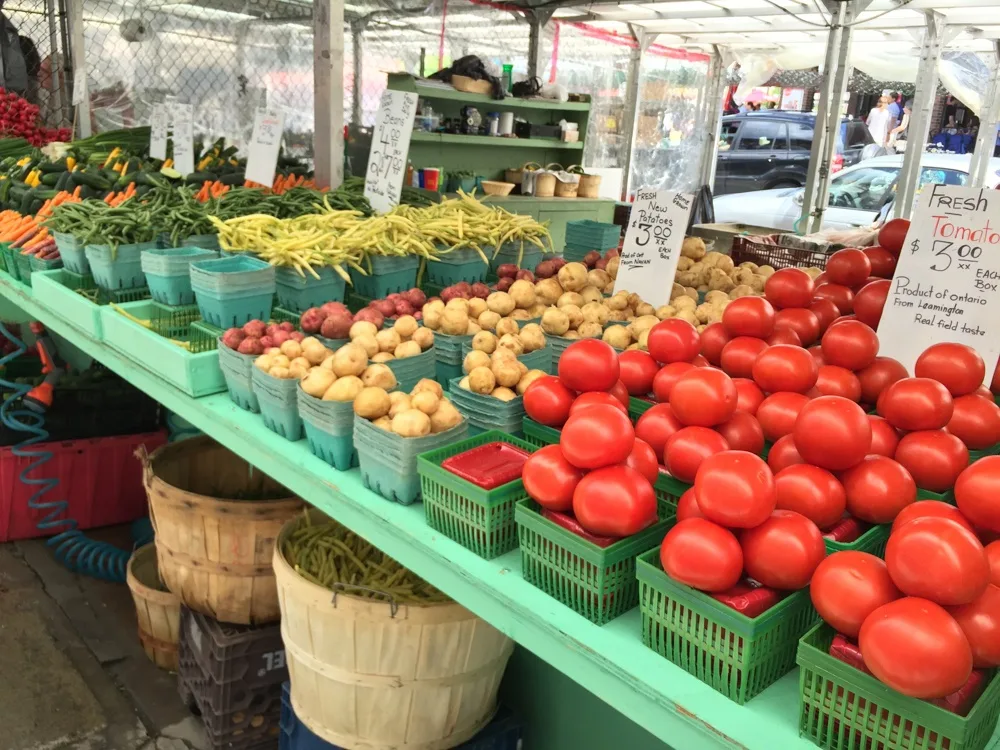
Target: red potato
[(287, 326), (267, 342), (505, 283), (255, 328), (336, 326), (250, 345), (329, 308), (386, 307), (371, 315), (233, 338), (404, 308), (591, 258), (415, 297), (479, 289), (525, 275), (545, 270), (280, 337), (507, 270)]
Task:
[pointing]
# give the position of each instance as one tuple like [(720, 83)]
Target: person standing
[(880, 121), (899, 132), (894, 109)]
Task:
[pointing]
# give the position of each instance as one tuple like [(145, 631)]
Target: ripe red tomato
[(637, 370), (976, 492), (748, 395), (656, 425), (739, 354), (688, 447), (620, 392), (703, 397), (892, 234), (777, 413), (666, 377), (735, 489), (935, 508), (934, 458), (916, 404), (713, 338), (548, 401), (980, 621), (883, 262), (589, 365), (687, 506), (802, 320), (884, 437), (848, 586), (916, 647), (868, 303), (783, 551), (838, 294), (614, 501), (814, 492), (673, 340), (784, 336), (789, 287), (878, 376), (743, 432), (700, 361), (850, 344), (877, 489), (749, 316), (958, 367), (848, 267), (783, 454), (982, 391), (993, 555), (592, 398), (826, 311), (832, 433), (702, 554), (837, 381), (821, 279), (785, 368), (937, 559), (597, 436), (816, 352), (644, 460), (549, 479)]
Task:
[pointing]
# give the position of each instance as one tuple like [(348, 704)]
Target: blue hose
[(70, 546)]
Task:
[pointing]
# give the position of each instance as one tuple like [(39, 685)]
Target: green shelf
[(489, 140), (404, 82)]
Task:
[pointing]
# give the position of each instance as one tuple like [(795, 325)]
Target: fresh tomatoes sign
[(947, 282)]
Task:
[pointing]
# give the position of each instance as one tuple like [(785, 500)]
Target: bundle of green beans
[(75, 218), (94, 222), (291, 204), (327, 553), (177, 212)]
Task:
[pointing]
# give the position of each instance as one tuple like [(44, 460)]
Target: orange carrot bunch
[(116, 199), (283, 183), (211, 190)]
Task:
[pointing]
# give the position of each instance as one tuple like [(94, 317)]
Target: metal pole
[(357, 52), (75, 8), (328, 80), (642, 42), (55, 68), (534, 41), (711, 117), (989, 117), (920, 115)]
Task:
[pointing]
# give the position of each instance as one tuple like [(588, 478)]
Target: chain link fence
[(41, 30)]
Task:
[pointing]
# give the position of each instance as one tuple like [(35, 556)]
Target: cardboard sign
[(182, 118), (947, 279), (390, 145), (159, 124), (79, 85), (262, 158), (652, 244)]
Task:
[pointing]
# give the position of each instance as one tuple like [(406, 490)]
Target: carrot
[(76, 192), (27, 235)]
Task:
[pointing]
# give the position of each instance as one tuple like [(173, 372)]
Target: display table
[(609, 661)]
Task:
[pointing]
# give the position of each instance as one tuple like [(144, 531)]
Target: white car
[(857, 194)]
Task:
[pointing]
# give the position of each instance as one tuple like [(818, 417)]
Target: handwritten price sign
[(946, 282), (390, 146), (262, 158), (182, 119), (159, 124)]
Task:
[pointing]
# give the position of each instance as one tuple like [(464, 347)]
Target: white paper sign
[(79, 85), (390, 145), (262, 158), (946, 281), (182, 118), (159, 124), (652, 244)]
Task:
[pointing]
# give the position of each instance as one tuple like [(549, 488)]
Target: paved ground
[(72, 673)]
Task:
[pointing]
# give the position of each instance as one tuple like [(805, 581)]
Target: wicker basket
[(158, 611), (214, 552), (567, 189), (517, 175), (471, 85), (545, 185), (379, 675), (492, 187), (590, 186)]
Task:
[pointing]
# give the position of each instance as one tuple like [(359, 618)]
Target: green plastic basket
[(991, 451), (281, 315), (480, 520), (842, 708), (37, 264), (872, 541), (638, 406), (203, 337), (668, 493), (10, 260), (597, 583), (539, 435), (730, 652), (23, 263), (172, 322)]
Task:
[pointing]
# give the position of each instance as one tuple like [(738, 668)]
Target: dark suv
[(770, 149)]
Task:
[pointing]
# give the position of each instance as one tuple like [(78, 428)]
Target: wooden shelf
[(492, 140)]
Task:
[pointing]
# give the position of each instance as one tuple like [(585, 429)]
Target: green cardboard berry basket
[(872, 541), (842, 708), (598, 583), (480, 520), (539, 435), (737, 655)]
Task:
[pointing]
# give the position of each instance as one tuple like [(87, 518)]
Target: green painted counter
[(557, 211), (609, 661)]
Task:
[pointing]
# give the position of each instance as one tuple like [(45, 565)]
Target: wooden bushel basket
[(158, 611), (373, 674), (214, 551), (517, 175), (589, 185)]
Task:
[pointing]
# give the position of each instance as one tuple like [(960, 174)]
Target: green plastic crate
[(480, 520), (173, 322), (732, 653), (872, 541), (638, 406), (58, 291), (668, 493), (539, 435), (842, 708), (597, 583), (991, 451), (203, 337), (281, 315)]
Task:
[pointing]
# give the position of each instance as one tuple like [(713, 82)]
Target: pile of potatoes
[(576, 280), (293, 359), (497, 373), (468, 317), (510, 336), (422, 411), (406, 338), (703, 271)]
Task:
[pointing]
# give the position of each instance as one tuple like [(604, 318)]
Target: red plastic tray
[(848, 530), (100, 478), (571, 524), (488, 466), (749, 598)]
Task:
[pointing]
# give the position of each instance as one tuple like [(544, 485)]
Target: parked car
[(857, 194), (770, 149)]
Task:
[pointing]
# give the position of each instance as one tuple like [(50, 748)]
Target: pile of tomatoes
[(599, 476)]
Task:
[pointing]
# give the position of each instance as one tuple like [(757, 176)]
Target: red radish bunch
[(19, 119)]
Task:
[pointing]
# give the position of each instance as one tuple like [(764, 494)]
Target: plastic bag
[(471, 66)]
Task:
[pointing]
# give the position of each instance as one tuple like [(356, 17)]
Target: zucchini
[(233, 179), (65, 181), (36, 206), (142, 190), (26, 202), (86, 191), (97, 182), (197, 178), (48, 167), (51, 179), (149, 180)]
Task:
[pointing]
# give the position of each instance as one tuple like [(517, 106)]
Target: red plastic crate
[(100, 478)]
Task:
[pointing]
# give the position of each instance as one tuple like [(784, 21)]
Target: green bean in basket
[(328, 553)]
